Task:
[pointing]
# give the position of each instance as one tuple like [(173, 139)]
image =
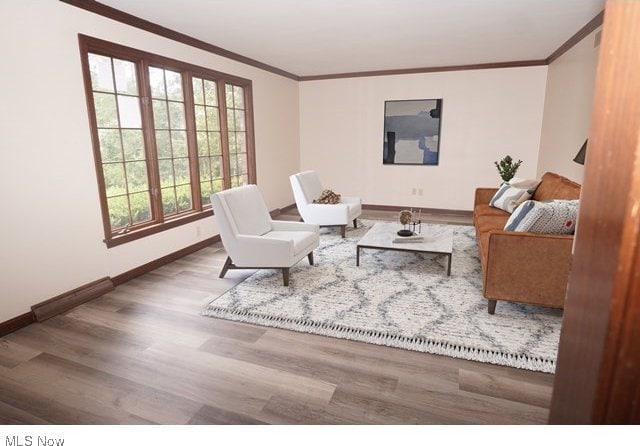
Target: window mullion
[(192, 143), (150, 142), (224, 134)]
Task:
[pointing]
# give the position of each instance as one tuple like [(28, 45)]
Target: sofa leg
[(355, 223), (225, 267), (310, 256), (492, 306), (343, 230), (285, 276)]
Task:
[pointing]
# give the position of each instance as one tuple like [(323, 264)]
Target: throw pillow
[(544, 217), (328, 197), (512, 193)]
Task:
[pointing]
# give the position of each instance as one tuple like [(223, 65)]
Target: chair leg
[(285, 276), (226, 266), (343, 230), (310, 256), (492, 306), (355, 223)]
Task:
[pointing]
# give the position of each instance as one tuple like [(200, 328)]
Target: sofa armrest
[(527, 267), (484, 195)]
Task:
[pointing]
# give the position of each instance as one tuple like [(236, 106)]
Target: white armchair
[(253, 240), (307, 187)]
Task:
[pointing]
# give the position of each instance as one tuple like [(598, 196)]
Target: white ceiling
[(312, 37)]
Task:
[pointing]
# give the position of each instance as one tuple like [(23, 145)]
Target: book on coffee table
[(410, 239)]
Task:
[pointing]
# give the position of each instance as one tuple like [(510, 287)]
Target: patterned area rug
[(397, 299)]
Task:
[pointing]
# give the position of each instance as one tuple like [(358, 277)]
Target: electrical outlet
[(413, 191), (420, 191)]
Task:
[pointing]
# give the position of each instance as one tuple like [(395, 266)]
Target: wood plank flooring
[(142, 354)]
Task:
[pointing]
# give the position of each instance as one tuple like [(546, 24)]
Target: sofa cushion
[(512, 193), (544, 217), (556, 187)]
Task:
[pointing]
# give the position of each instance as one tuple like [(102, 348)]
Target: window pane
[(214, 143), (233, 166), (101, 76), (125, 72), (203, 145), (244, 180), (106, 112), (201, 123), (163, 145), (218, 185), (216, 166), (238, 97), (110, 149), (241, 142), (166, 172), (160, 116), (235, 182), (136, 177), (232, 142), (210, 93), (174, 85), (179, 143), (205, 168), (114, 179), (231, 123), (198, 91), (156, 81), (133, 145), (118, 212), (212, 119), (129, 108), (181, 170), (184, 197), (239, 114), (168, 201), (140, 207), (229, 94), (176, 115), (205, 192), (242, 163)]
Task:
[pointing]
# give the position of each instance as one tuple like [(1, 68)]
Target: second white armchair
[(307, 187)]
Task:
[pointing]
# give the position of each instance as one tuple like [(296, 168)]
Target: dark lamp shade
[(581, 154)]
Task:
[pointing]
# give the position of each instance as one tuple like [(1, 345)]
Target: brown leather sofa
[(523, 266)]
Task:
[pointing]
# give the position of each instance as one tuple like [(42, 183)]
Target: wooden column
[(598, 369)]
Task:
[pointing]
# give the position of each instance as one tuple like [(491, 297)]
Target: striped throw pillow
[(544, 217), (511, 194)]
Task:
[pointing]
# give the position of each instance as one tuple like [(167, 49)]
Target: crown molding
[(577, 37), (137, 22), (481, 66)]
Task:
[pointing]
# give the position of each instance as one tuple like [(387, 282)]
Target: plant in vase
[(507, 168)]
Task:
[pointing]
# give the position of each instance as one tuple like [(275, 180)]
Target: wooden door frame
[(598, 369)]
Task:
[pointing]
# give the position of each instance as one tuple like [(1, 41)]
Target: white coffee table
[(438, 239)]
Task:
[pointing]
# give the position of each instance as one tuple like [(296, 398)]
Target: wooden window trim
[(143, 60)]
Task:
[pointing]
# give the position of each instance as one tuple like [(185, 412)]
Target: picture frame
[(412, 132)]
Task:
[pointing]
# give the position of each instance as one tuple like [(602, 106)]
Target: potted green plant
[(507, 168)]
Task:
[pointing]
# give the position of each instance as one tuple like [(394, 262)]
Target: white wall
[(50, 224), (486, 115), (567, 110)]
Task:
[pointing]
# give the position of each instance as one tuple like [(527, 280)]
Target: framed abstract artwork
[(412, 132)]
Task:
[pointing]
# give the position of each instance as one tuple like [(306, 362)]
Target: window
[(163, 139)]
